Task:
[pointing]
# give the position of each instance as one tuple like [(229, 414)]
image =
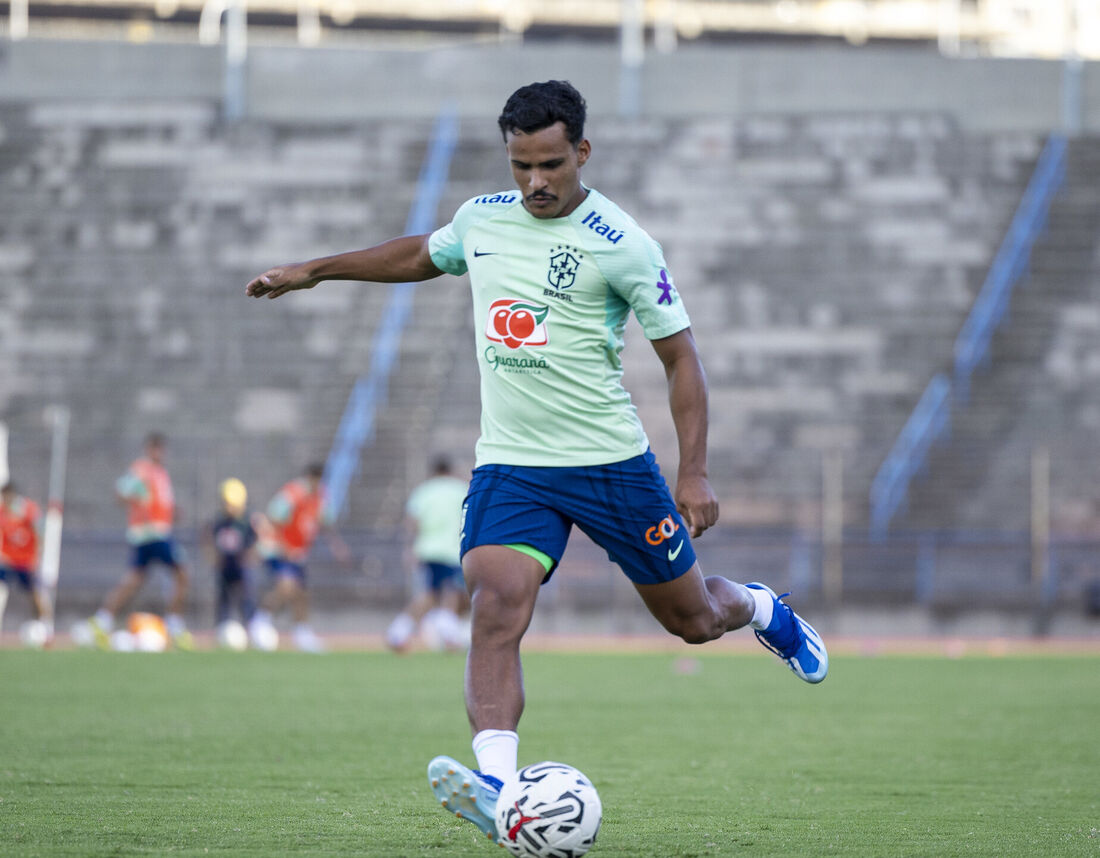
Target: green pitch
[(725, 755)]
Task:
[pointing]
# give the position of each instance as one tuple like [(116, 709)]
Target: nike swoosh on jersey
[(478, 253), (672, 555)]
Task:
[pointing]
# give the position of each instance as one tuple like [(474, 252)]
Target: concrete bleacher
[(827, 262), (125, 251), (1041, 388)]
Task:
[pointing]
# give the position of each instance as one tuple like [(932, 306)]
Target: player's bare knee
[(695, 630), (498, 614)]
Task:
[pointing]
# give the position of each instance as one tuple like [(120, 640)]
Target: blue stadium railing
[(369, 393), (929, 422), (1009, 265), (931, 419)]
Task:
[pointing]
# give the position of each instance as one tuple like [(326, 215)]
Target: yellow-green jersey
[(436, 507), (551, 298)]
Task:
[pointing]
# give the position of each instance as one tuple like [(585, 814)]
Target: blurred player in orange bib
[(146, 492), (19, 545), (294, 518)]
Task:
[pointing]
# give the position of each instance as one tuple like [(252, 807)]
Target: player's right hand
[(279, 281)]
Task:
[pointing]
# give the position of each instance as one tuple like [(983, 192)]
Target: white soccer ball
[(232, 635), (34, 634), (548, 810), (149, 640)]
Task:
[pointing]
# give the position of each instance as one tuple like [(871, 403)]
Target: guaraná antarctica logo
[(516, 323)]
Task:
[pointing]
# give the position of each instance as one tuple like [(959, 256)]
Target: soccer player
[(434, 514), (294, 518), (555, 268), (19, 544), (145, 490), (231, 540)]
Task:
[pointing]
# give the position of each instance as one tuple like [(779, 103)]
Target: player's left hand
[(279, 281), (697, 503)]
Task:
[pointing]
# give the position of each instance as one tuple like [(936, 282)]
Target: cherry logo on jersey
[(516, 323)]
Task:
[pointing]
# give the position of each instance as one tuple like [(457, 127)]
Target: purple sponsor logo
[(666, 289)]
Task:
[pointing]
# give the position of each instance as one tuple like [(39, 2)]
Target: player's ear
[(584, 149)]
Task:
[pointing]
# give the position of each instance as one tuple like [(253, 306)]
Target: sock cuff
[(765, 607), (489, 737)]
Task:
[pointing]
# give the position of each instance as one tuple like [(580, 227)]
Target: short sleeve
[(130, 486), (280, 508), (639, 274), (446, 250)]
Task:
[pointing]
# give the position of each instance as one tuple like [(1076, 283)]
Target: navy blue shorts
[(280, 567), (626, 508), (438, 576), (161, 551), (25, 577)]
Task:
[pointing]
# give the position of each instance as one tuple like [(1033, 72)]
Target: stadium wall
[(291, 83), (125, 174)]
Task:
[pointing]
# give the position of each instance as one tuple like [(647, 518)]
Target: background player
[(231, 541), (434, 516), (555, 269), (146, 492), (293, 520), (19, 546)]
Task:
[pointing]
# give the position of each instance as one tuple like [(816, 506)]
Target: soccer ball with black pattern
[(548, 810)]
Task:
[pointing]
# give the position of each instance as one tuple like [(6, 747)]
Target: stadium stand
[(1039, 387), (827, 260)]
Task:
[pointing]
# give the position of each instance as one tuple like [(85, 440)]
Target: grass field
[(285, 754)]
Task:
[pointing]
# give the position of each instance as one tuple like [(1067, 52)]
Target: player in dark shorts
[(232, 540), (555, 269)]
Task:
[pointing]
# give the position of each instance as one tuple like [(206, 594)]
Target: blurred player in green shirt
[(434, 514)]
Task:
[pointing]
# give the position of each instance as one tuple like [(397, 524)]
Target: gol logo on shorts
[(661, 531)]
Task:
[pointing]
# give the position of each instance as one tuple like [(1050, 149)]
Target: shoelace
[(784, 645), (489, 780)]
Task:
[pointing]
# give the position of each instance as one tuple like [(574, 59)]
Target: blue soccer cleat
[(466, 793), (793, 639)]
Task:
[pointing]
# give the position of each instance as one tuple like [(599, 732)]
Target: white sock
[(762, 616), (261, 617), (446, 623), (400, 630), (174, 624), (496, 752), (105, 619)]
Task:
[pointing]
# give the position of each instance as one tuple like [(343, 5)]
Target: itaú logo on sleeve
[(516, 323)]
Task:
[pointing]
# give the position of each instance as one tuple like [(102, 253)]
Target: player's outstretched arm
[(687, 396), (400, 260)]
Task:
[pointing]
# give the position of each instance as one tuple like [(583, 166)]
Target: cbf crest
[(564, 263)]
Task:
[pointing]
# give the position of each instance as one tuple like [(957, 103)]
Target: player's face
[(546, 167)]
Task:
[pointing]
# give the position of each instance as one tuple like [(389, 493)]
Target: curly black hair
[(539, 105)]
